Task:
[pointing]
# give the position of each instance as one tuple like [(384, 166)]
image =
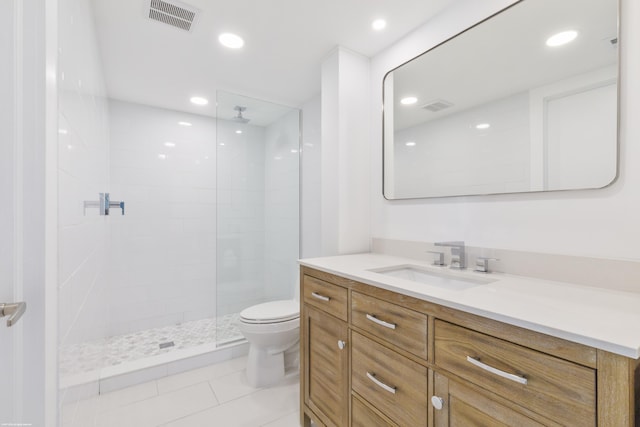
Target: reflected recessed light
[(483, 126), (232, 41), (184, 123), (277, 158), (379, 24), (206, 157), (169, 144), (409, 100), (198, 100), (238, 131), (294, 151), (410, 144), (63, 131), (162, 156), (222, 144), (562, 38)]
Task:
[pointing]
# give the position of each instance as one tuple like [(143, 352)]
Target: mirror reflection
[(525, 101)]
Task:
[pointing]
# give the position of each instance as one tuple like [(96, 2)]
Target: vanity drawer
[(400, 326), (560, 390), (392, 383), (326, 296), (361, 416)]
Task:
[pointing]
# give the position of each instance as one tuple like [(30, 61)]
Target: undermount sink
[(419, 274)]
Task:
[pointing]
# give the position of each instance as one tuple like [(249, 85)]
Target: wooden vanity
[(373, 357)]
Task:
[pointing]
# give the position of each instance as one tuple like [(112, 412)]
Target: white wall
[(345, 151), (82, 174), (162, 260), (600, 223), (311, 185)]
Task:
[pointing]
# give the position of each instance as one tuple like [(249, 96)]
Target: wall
[(82, 174), (345, 150), (282, 206), (311, 185), (599, 223), (162, 260)]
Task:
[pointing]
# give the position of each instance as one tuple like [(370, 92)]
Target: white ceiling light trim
[(230, 40), (198, 100), (562, 38), (379, 24), (409, 100)]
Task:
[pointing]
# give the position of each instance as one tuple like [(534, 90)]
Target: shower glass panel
[(258, 146)]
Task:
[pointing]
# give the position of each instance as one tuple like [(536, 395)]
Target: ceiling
[(152, 63)]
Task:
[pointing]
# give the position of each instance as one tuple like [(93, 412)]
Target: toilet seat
[(271, 312)]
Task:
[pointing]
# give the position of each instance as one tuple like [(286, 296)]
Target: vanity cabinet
[(324, 338), (373, 357)]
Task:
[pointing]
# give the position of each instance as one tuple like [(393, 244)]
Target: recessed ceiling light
[(294, 151), (562, 38), (162, 156), (232, 41), (198, 100), (409, 100), (169, 144), (184, 123), (238, 131), (379, 24), (410, 144), (483, 126), (63, 131)]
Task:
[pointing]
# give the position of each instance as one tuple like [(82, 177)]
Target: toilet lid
[(271, 312)]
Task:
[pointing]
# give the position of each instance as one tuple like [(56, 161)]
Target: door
[(326, 379), (26, 393)]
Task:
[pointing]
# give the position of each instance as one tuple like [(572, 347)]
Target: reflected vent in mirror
[(173, 13), (437, 105)]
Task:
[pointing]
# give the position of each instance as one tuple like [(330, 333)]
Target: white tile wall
[(162, 267)]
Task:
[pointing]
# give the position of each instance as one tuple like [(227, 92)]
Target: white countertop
[(597, 317)]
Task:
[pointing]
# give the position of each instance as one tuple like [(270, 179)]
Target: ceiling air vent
[(437, 105), (173, 13)]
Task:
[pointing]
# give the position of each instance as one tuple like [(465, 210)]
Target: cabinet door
[(326, 366), (457, 405)]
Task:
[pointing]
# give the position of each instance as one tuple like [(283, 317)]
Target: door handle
[(14, 311)]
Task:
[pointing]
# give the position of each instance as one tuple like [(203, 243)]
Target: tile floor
[(214, 396), (111, 351)]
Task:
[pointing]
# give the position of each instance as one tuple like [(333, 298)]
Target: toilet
[(273, 332)]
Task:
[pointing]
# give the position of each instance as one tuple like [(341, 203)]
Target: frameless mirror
[(524, 101)]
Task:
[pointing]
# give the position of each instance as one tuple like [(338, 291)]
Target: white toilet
[(273, 332)]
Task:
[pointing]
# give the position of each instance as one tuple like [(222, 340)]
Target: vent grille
[(437, 105), (175, 14)]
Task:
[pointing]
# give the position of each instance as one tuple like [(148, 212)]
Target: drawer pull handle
[(503, 374), (374, 319), (320, 297), (380, 384)]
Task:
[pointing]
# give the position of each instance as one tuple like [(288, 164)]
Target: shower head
[(238, 117)]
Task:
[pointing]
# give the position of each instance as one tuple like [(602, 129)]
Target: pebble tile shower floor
[(116, 350)]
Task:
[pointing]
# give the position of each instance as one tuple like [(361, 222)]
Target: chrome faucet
[(458, 259)]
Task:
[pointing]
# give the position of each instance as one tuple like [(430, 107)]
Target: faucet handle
[(482, 264), (439, 260)]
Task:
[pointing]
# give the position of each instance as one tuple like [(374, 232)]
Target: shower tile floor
[(116, 350)]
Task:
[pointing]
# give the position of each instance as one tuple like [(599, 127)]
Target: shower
[(211, 228), (239, 118)]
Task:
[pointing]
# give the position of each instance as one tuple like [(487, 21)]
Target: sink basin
[(419, 274)]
